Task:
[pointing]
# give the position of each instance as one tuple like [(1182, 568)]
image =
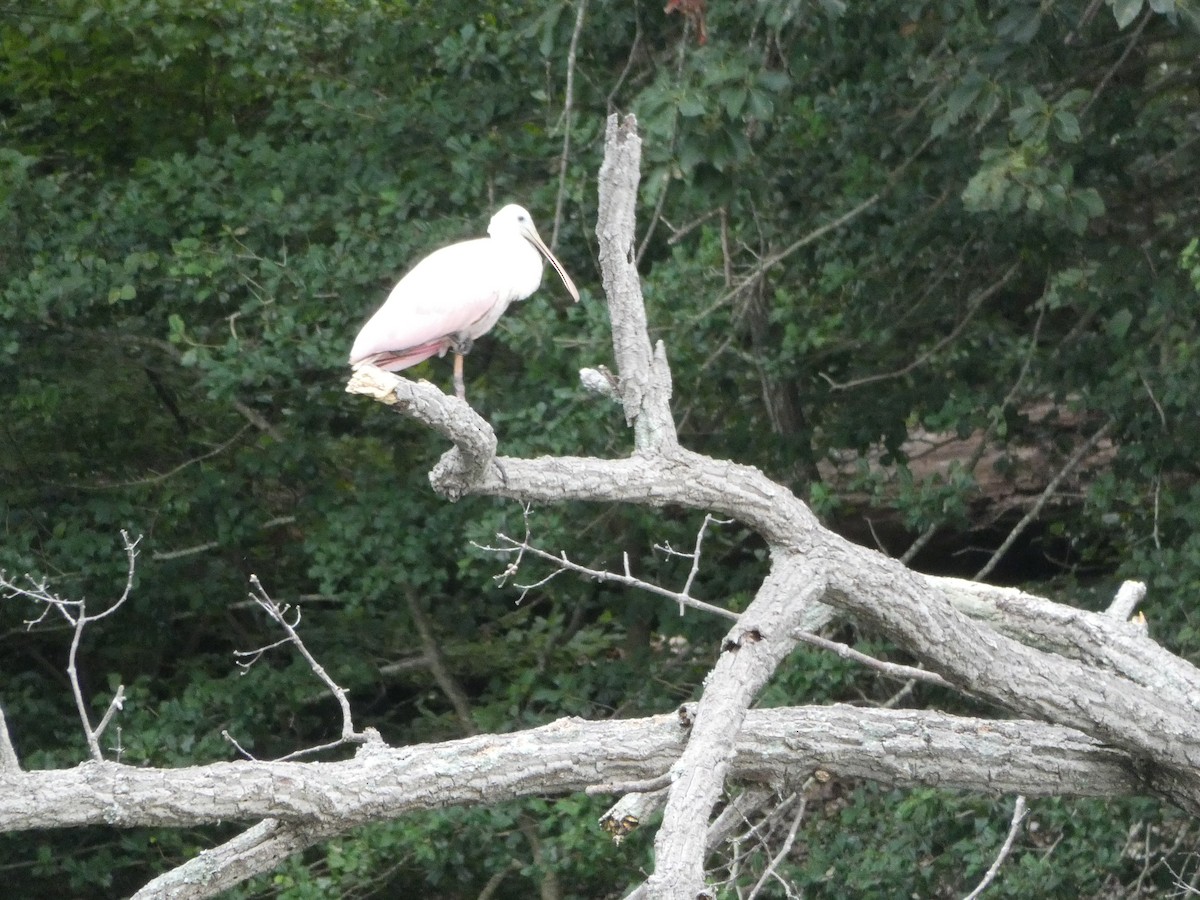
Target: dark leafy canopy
[(202, 200)]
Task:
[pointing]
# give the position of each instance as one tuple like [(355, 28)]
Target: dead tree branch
[(775, 747), (1121, 702)]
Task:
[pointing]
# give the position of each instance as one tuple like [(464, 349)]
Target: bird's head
[(515, 221)]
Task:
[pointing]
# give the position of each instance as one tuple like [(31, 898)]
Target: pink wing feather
[(450, 293)]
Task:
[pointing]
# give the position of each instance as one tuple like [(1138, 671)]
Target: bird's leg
[(460, 346), (460, 389)]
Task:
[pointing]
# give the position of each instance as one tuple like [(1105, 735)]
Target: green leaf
[(733, 99), (124, 292), (1092, 202), (1118, 324), (963, 96), (1125, 11), (1066, 126), (774, 80), (691, 105)]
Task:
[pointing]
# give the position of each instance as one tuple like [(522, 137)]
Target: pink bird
[(455, 295)]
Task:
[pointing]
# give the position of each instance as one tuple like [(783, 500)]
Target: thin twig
[(633, 49), (783, 851), (678, 234), (167, 555), (996, 417), (279, 614), (817, 233), (654, 219), (726, 256), (240, 749), (694, 556), (1018, 817), (564, 564), (919, 544), (75, 613), (436, 664), (1051, 489), (681, 58), (170, 473), (568, 104), (891, 670), (1133, 39), (975, 305), (1162, 416), (1084, 19)]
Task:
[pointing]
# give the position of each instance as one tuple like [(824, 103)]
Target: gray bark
[(772, 747), (1033, 658)]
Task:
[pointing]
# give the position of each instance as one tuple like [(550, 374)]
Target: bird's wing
[(443, 295)]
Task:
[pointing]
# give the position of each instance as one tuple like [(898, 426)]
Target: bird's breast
[(522, 265)]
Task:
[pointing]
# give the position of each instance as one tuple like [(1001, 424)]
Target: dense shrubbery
[(200, 203)]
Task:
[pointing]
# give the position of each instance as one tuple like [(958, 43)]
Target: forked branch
[(77, 617), (247, 658)]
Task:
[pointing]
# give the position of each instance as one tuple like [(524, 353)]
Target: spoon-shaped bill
[(536, 240)]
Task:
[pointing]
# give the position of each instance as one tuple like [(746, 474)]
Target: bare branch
[(644, 786), (256, 850), (1018, 817), (903, 748), (973, 307), (436, 663), (75, 613), (812, 569), (645, 378), (1100, 640), (475, 442), (783, 851), (762, 638), (568, 104), (736, 813), (1130, 594), (891, 670), (564, 564), (1051, 489), (641, 802), (279, 615)]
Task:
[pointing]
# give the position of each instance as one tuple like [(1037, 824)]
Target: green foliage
[(200, 202)]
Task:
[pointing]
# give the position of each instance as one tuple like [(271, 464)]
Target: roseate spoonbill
[(455, 295)]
